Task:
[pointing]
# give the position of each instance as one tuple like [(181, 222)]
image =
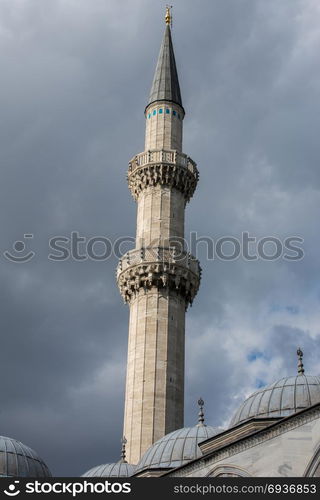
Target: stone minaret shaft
[(158, 278)]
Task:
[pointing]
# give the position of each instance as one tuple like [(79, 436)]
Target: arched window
[(228, 471)]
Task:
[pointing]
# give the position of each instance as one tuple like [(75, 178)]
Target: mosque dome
[(18, 460), (178, 447), (118, 469), (281, 398)]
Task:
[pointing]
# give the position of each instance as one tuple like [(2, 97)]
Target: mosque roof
[(18, 460), (117, 469), (281, 398), (178, 447)]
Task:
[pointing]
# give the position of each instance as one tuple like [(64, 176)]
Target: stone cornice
[(235, 433), (165, 168), (161, 268), (284, 425), (152, 472)]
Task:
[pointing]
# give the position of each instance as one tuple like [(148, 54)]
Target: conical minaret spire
[(164, 111), (165, 86), (158, 279)]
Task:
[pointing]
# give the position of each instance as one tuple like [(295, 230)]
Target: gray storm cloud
[(74, 82)]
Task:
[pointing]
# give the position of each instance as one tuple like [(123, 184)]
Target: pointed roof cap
[(165, 86)]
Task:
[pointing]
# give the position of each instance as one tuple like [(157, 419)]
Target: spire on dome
[(201, 413), (300, 364), (123, 450), (165, 86)]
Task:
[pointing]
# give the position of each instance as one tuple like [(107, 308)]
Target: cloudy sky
[(75, 77)]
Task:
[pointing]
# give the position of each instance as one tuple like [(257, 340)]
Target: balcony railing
[(163, 156), (156, 255)]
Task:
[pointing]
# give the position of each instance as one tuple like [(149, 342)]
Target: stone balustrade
[(158, 267), (167, 168)]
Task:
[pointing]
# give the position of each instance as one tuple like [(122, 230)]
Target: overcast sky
[(75, 78)]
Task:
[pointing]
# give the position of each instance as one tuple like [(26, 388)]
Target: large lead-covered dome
[(18, 460), (178, 447), (280, 399)]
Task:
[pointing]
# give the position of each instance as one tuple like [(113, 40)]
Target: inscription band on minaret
[(158, 279)]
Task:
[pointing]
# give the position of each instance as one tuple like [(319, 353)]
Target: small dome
[(119, 469), (18, 460), (280, 399), (177, 448)]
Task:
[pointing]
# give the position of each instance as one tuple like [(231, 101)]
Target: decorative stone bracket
[(167, 168), (181, 274)]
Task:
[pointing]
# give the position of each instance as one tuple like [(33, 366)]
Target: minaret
[(158, 279)]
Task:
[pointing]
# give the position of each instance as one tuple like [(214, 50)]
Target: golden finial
[(168, 15)]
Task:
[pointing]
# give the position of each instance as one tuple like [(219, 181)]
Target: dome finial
[(201, 413), (168, 15), (300, 364), (123, 450)]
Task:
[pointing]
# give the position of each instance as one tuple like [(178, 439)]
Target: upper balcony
[(167, 168), (163, 268), (159, 156)]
